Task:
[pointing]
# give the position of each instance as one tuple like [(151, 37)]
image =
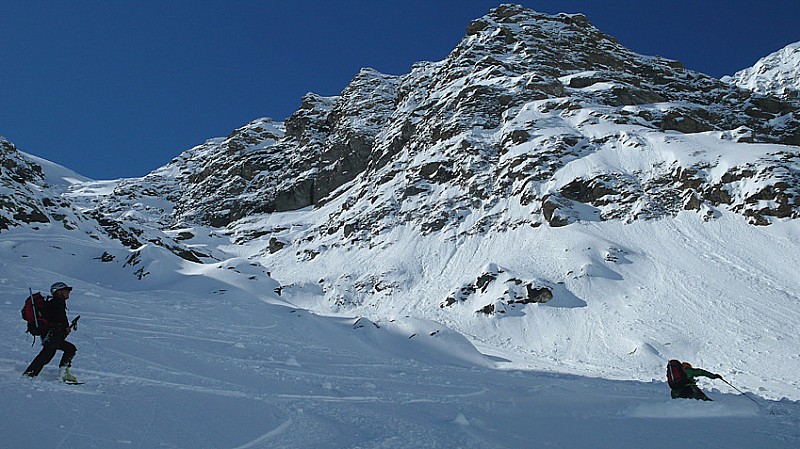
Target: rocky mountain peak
[(266, 166), (522, 96), (491, 138), (554, 43)]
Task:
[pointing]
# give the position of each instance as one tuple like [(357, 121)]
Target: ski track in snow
[(258, 442)]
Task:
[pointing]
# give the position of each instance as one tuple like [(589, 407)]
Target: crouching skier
[(681, 379), (54, 337)]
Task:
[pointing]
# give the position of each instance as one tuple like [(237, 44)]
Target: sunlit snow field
[(208, 356)]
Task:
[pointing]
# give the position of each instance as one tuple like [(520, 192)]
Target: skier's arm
[(696, 372)]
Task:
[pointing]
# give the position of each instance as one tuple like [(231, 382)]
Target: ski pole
[(729, 384), (35, 318), (745, 395), (33, 306)]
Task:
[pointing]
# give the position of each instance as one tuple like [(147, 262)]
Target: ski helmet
[(58, 286)]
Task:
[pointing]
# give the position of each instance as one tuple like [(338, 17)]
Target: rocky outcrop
[(496, 291), (25, 196), (271, 167)]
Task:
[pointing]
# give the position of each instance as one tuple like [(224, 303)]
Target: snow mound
[(422, 340)]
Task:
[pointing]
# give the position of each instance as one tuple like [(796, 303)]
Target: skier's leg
[(45, 356), (699, 395), (69, 352), (686, 392)]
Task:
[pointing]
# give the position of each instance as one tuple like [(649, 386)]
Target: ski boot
[(65, 375)]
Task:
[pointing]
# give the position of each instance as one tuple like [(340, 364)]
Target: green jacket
[(691, 373)]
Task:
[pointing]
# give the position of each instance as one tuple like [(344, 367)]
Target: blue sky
[(118, 88)]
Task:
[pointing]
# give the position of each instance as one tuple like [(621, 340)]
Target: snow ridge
[(776, 74)]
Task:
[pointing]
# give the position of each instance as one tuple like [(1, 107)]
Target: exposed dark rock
[(106, 257), (488, 309), (275, 245)]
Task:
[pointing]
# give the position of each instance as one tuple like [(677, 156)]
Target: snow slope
[(627, 298), (56, 176), (208, 356)]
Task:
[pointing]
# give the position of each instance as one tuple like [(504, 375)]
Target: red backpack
[(676, 375), (33, 312)]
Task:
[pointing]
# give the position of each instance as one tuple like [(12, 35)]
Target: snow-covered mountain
[(776, 74), (542, 200), (528, 109)]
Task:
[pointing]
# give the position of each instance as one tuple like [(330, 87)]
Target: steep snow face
[(56, 176), (776, 74), (542, 206)]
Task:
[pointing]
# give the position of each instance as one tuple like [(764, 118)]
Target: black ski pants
[(52, 342), (691, 392)]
